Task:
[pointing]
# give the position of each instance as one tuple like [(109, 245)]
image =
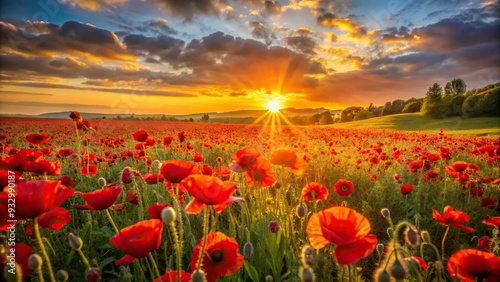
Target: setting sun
[(273, 106)]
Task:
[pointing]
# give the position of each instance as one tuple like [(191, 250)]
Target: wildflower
[(343, 187), (469, 264), (406, 188), (175, 171), (37, 138), (138, 240), (453, 217), (314, 191), (100, 199), (221, 257), (345, 228)]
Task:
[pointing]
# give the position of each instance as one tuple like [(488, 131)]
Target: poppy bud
[(386, 213), (288, 196), (168, 215), (277, 185), (412, 237), (75, 242), (34, 261), (306, 274), (62, 275), (156, 164), (380, 249), (126, 176), (308, 255), (269, 278), (248, 249), (397, 270), (101, 182), (273, 226), (15, 276), (425, 236), (301, 211), (93, 274), (382, 276), (198, 276)]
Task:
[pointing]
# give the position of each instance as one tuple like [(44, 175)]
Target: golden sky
[(179, 57)]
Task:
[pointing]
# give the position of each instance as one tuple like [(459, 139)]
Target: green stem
[(44, 252), (155, 267), (112, 221), (40, 273), (442, 242), (205, 232), (178, 250), (84, 259)]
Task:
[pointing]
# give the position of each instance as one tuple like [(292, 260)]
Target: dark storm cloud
[(70, 38), (157, 26)]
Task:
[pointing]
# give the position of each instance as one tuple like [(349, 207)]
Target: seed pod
[(168, 215), (34, 261), (198, 276), (101, 182)]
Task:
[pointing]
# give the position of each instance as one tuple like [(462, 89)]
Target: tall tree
[(432, 102), (456, 87)]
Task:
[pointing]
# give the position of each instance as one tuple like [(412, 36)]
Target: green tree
[(363, 114), (456, 87), (205, 118), (325, 118), (432, 105), (397, 106), (387, 109), (314, 119), (348, 114)]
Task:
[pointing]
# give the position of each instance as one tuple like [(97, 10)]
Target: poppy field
[(108, 200)]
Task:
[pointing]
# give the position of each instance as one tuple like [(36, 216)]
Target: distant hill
[(289, 112)]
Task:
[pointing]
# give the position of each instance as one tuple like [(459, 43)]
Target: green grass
[(416, 122)]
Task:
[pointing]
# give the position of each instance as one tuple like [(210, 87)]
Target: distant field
[(417, 122)]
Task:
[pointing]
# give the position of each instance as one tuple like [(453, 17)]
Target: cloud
[(94, 5), (272, 7), (9, 92), (261, 31), (303, 44), (71, 38), (65, 106), (159, 26), (188, 9), (165, 47)]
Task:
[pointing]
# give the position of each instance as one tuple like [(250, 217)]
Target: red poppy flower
[(84, 125), (206, 169), (406, 188), (138, 240), (343, 187), (152, 178), (154, 210), (167, 140), (126, 176), (100, 199), (140, 136), (176, 171), (314, 191), (223, 173), (67, 181), (181, 135), (22, 252), (345, 228), (260, 173), (416, 165), (421, 262), (469, 264), (484, 243), (171, 276), (288, 158), (75, 116), (132, 197), (243, 159), (34, 198), (453, 217), (493, 221), (37, 138), (458, 166), (54, 219), (209, 190), (221, 257), (89, 169), (198, 158), (65, 153)]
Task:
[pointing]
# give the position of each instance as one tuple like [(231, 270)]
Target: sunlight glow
[(273, 106)]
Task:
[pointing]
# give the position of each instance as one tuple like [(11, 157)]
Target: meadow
[(108, 200)]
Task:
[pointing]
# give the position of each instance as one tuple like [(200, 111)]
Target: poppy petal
[(194, 207), (54, 219), (351, 253), (125, 260)]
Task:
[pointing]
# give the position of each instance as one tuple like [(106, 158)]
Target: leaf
[(251, 271), (106, 261)]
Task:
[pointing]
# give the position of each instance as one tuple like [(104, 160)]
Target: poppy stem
[(178, 250), (442, 242), (84, 259), (155, 267), (42, 249), (205, 232), (40, 272), (112, 221)]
